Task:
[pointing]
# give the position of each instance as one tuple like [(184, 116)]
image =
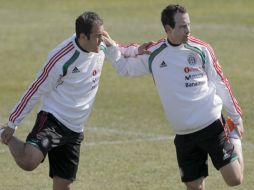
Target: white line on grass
[(121, 132), (140, 137), (157, 138)]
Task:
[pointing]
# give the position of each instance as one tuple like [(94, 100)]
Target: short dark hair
[(85, 21), (167, 15)]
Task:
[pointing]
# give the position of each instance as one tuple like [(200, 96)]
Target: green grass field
[(128, 142)]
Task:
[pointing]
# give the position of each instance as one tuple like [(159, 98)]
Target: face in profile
[(179, 34), (96, 37)]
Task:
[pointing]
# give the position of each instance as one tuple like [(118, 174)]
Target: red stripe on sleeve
[(218, 70), (15, 114)]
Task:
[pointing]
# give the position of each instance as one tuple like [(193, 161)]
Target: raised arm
[(128, 60)]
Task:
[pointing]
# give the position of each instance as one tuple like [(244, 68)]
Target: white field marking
[(158, 138), (142, 137), (139, 137), (120, 132)]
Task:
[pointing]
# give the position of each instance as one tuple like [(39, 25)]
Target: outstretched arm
[(130, 50), (129, 60)]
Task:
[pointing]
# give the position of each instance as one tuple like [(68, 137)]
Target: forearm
[(23, 107), (132, 66), (230, 103)]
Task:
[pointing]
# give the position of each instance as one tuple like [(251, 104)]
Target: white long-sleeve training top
[(189, 80), (67, 84)]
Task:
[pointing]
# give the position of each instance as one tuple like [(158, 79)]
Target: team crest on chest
[(192, 60)]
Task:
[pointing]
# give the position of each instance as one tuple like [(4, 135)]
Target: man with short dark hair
[(67, 84), (193, 90)]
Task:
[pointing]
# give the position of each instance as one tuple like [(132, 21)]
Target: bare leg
[(198, 184), (61, 184), (26, 156), (233, 172), (238, 150)]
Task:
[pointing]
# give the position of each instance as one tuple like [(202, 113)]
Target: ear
[(83, 36), (168, 28)]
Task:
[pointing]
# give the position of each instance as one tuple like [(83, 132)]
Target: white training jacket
[(67, 83), (189, 80)]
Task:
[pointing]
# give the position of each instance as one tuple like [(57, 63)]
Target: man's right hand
[(142, 49), (7, 134), (107, 39)]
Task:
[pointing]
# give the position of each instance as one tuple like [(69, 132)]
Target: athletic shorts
[(60, 143), (192, 151)]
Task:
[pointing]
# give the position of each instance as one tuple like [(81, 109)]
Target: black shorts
[(60, 143), (192, 151)]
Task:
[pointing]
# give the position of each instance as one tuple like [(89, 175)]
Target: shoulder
[(156, 48), (156, 45), (62, 48), (62, 54), (203, 46), (199, 43)]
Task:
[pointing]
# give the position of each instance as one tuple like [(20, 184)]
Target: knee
[(236, 181), (27, 164), (194, 187), (30, 159)]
